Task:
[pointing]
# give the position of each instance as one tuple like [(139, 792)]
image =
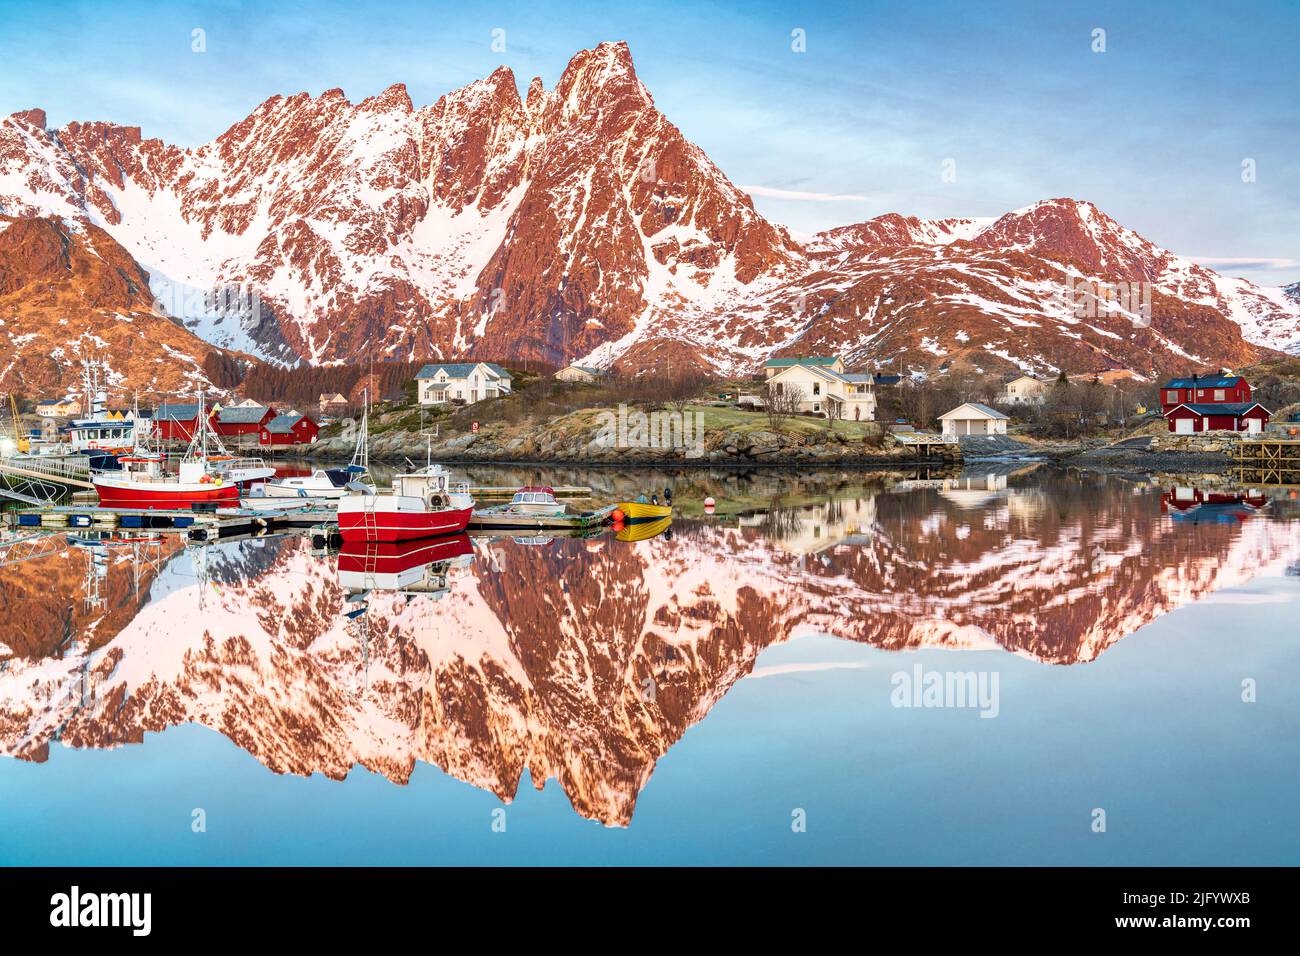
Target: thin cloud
[(1250, 262), (798, 196)]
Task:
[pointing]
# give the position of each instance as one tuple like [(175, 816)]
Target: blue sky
[(1154, 130)]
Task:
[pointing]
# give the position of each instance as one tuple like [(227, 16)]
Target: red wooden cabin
[(288, 430), (1238, 417), (1216, 389), (241, 419)]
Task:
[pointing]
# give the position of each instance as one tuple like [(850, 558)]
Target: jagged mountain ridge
[(579, 222)]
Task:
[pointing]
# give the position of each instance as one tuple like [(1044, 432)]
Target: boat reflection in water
[(1219, 505), (411, 567), (645, 530)]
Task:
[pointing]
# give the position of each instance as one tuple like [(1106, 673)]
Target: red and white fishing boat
[(143, 482), (422, 504)]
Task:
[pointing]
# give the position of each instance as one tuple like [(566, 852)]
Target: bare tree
[(780, 401), (681, 389)]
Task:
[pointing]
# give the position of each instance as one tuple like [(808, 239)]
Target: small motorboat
[(240, 471), (321, 483), (647, 509), (535, 500)]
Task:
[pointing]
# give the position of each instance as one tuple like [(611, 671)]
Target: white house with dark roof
[(580, 373), (461, 382), (823, 387), (972, 418)]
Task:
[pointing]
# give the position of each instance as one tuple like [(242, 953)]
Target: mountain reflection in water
[(585, 660)]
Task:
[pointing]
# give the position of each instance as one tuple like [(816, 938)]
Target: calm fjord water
[(731, 693)]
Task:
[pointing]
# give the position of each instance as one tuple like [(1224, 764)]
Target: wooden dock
[(1268, 461), (488, 520), (499, 491), (199, 525)]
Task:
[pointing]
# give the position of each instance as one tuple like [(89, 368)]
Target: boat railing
[(459, 488), (229, 464), (56, 467)]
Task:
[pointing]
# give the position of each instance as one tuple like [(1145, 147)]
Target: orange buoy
[(618, 517)]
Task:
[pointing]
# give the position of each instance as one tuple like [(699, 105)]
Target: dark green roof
[(459, 369), (801, 360)]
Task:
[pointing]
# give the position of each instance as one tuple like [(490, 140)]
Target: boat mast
[(361, 455)]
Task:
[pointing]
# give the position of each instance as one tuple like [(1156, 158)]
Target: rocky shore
[(1178, 454), (581, 443)]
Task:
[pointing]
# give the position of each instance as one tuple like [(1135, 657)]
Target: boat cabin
[(534, 495)]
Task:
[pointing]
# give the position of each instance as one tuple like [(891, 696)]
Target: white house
[(1025, 390), (466, 382), (823, 387), (580, 373), (58, 407), (972, 418)]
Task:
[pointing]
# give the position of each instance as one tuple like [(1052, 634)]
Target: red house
[(291, 429), (1217, 389), (241, 419), (176, 422), (1189, 419)]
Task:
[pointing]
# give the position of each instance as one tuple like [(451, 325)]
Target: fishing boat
[(143, 482), (422, 504), (141, 479), (647, 509), (102, 430)]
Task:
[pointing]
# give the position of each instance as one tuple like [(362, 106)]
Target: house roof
[(283, 424), (178, 413), (460, 369), (1218, 408), (587, 368), (888, 379), (1204, 381), (858, 377), (335, 398), (242, 414), (801, 360), (1026, 378), (984, 412)]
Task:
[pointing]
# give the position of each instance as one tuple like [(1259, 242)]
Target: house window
[(1171, 395), (817, 388), (1218, 395)]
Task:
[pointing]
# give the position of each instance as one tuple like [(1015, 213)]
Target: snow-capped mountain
[(578, 222), (68, 291)]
